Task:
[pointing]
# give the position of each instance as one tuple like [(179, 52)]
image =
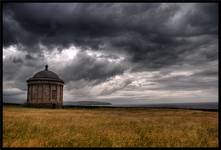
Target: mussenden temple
[(45, 89)]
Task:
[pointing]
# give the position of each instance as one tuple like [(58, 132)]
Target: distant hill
[(87, 103)]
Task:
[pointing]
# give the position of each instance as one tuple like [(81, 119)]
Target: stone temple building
[(45, 89)]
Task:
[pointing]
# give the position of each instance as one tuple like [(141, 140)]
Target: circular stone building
[(45, 89)]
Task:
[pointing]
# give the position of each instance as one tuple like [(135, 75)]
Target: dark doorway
[(53, 105)]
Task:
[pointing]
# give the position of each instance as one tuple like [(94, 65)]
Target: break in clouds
[(119, 53)]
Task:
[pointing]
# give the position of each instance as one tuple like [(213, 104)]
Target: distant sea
[(205, 105)]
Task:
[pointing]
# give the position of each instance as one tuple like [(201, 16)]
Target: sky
[(114, 52)]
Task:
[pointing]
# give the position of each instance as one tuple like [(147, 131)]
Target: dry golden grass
[(109, 127)]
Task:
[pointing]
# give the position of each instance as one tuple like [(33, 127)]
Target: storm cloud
[(114, 50)]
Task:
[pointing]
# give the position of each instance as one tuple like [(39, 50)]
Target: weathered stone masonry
[(45, 89)]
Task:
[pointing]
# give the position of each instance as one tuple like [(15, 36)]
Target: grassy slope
[(112, 127)]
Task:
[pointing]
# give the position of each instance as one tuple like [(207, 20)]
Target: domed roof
[(45, 75)]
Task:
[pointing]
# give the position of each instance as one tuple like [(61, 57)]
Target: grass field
[(109, 127)]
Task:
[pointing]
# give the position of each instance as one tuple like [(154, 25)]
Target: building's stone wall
[(49, 93)]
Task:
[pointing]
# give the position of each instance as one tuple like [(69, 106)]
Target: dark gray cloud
[(145, 31), (89, 68), (189, 83), (149, 37)]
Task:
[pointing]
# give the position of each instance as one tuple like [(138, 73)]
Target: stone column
[(42, 93), (32, 93), (36, 91), (60, 94), (28, 95), (55, 88), (49, 98)]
